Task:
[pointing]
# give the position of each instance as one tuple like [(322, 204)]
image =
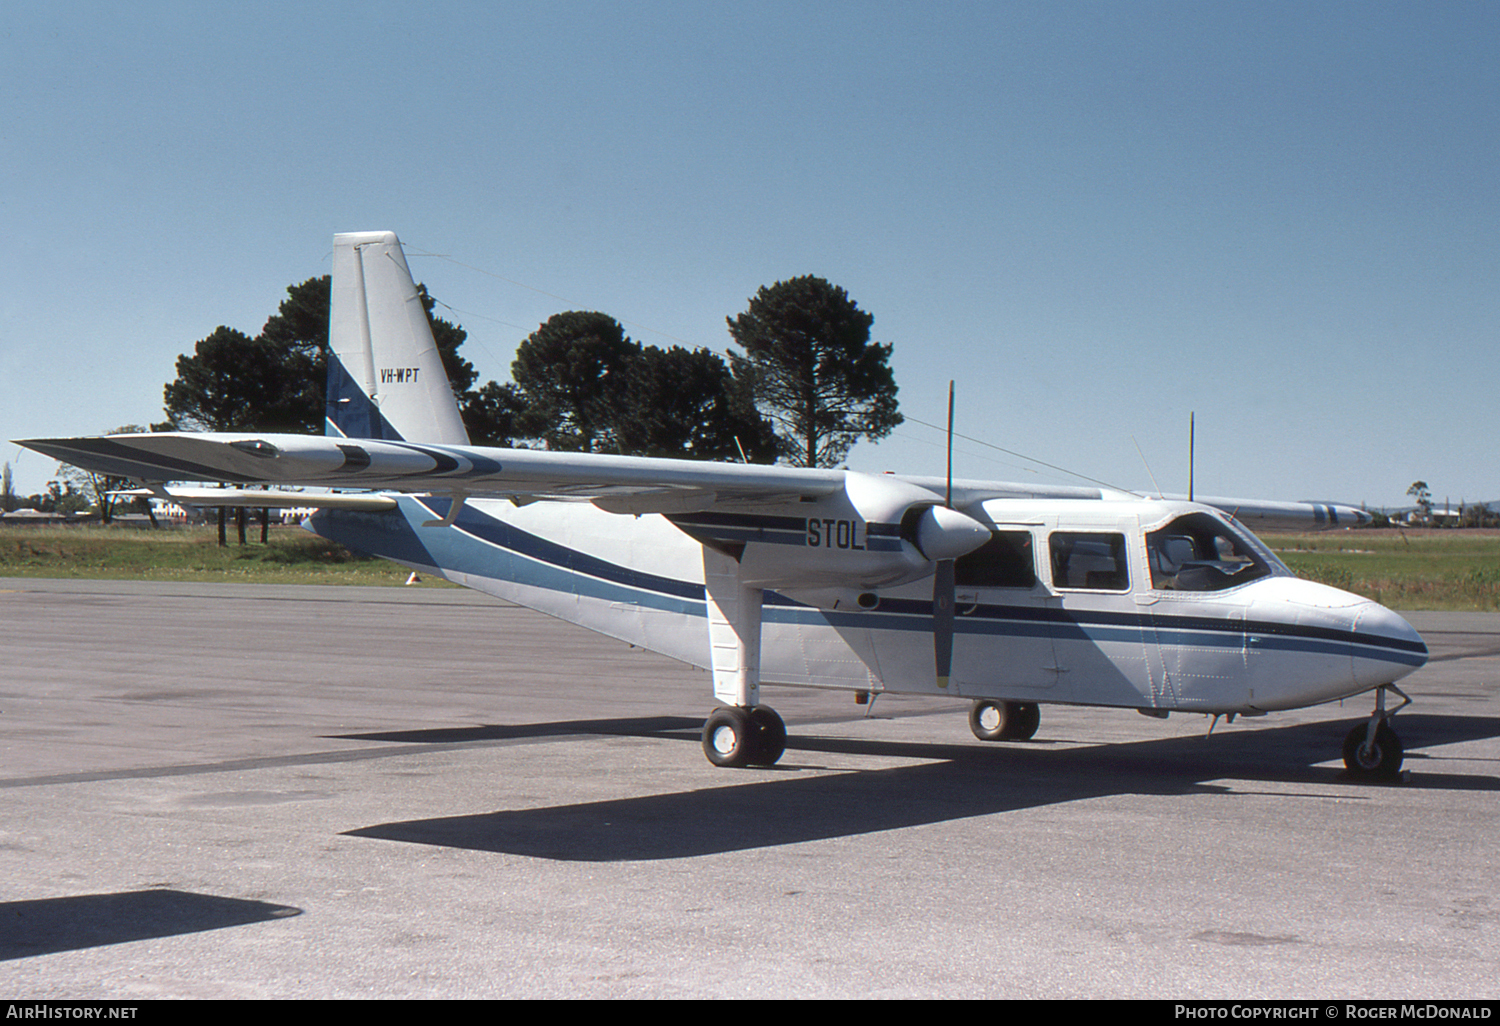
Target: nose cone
[(1393, 646), (1310, 643)]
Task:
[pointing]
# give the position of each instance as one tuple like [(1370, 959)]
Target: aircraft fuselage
[(1144, 604)]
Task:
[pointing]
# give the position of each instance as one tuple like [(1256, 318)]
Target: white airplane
[(1007, 596)]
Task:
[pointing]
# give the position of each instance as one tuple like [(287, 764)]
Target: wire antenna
[(1148, 467), (948, 490)]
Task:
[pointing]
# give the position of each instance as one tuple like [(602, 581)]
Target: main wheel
[(1027, 717), (1381, 760), (729, 737), (737, 737), (769, 736), (992, 720)]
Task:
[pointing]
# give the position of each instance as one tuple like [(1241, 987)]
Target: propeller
[(938, 532), (943, 588), (944, 580)]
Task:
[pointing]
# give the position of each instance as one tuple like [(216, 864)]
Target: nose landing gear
[(1372, 751)]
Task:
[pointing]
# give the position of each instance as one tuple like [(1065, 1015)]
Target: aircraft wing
[(618, 484), (1266, 515)]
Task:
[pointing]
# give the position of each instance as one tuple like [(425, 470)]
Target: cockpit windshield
[(1199, 552)]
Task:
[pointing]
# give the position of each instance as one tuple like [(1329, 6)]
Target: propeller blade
[(943, 589), (943, 578)]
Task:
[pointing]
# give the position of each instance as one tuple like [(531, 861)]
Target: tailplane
[(385, 375)]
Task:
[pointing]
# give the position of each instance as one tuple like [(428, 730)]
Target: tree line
[(807, 384)]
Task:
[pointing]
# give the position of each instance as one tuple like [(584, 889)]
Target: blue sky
[(1096, 217)]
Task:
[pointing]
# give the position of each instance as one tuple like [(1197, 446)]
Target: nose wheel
[(1372, 750)]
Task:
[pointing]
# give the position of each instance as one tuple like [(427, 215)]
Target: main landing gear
[(993, 720), (1372, 750), (735, 736)]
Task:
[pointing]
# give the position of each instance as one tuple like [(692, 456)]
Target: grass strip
[(1455, 570)]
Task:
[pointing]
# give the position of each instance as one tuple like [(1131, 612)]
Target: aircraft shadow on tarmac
[(756, 809), (47, 925)]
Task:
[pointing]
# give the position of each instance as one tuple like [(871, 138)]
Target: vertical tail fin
[(385, 376)]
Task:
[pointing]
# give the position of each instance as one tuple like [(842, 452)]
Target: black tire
[(1381, 761), (769, 736), (1027, 717), (993, 720), (729, 737)]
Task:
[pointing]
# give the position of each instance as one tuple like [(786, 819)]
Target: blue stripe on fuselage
[(487, 546)]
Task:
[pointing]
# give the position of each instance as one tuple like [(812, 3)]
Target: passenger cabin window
[(1199, 552), (1005, 561), (1089, 560)]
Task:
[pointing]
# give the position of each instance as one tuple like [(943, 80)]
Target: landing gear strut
[(734, 736), (992, 720), (1372, 750)]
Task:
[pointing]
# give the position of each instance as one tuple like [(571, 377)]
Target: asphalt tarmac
[(242, 791)]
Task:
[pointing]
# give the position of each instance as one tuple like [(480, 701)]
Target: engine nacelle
[(878, 532)]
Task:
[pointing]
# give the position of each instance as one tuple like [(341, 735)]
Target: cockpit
[(1199, 552)]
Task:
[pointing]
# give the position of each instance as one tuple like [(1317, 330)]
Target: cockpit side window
[(1198, 552), (1005, 561), (1089, 560)]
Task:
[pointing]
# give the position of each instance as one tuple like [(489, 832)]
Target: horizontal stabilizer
[(260, 499)]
